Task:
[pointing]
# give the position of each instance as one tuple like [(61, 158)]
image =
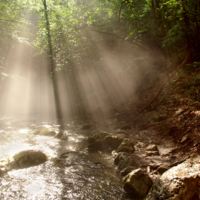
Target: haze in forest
[(105, 53)]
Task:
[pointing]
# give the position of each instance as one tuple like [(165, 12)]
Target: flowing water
[(71, 172)]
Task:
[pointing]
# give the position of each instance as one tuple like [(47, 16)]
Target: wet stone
[(140, 145), (120, 156), (125, 127), (184, 138), (129, 161), (137, 183), (127, 170), (97, 136), (26, 159), (126, 146), (152, 147), (86, 126), (180, 182), (44, 132), (113, 141), (119, 131), (104, 141), (162, 169)]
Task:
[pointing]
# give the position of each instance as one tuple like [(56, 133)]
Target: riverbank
[(164, 132)]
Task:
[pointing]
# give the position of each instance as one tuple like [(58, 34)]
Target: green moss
[(17, 158), (37, 132), (44, 132)]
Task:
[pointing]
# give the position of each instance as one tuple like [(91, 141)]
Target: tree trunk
[(52, 70)]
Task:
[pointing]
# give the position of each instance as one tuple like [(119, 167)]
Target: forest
[(120, 77), (101, 51)]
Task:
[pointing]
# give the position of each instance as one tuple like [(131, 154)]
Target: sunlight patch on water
[(73, 139), (71, 148), (24, 130), (12, 148), (36, 187), (47, 126)]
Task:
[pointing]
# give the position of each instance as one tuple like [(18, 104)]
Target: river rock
[(125, 127), (152, 153), (124, 160), (137, 183), (162, 169), (127, 170), (179, 182), (121, 136), (129, 161), (126, 146), (120, 156), (152, 147), (139, 145), (97, 136), (86, 126), (59, 135), (26, 158), (44, 132), (103, 141), (113, 141)]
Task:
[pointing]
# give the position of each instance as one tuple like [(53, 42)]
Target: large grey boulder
[(25, 159), (137, 183), (180, 182)]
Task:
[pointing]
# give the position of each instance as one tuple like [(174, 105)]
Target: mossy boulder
[(127, 170), (129, 161), (86, 126), (97, 136), (124, 160), (137, 183), (120, 156), (103, 141), (26, 159), (126, 146), (125, 127), (113, 141), (44, 132)]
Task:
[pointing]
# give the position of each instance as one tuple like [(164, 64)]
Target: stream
[(71, 172)]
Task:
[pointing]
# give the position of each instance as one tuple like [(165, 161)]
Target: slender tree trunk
[(154, 14), (52, 70), (186, 29)]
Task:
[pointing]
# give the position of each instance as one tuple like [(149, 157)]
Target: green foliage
[(193, 67), (78, 31)]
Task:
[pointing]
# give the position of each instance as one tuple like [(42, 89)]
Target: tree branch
[(120, 9), (13, 21), (112, 34)]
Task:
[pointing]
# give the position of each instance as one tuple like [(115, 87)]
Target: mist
[(111, 75)]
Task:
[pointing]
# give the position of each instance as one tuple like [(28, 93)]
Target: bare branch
[(11, 20), (120, 9), (112, 34)]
